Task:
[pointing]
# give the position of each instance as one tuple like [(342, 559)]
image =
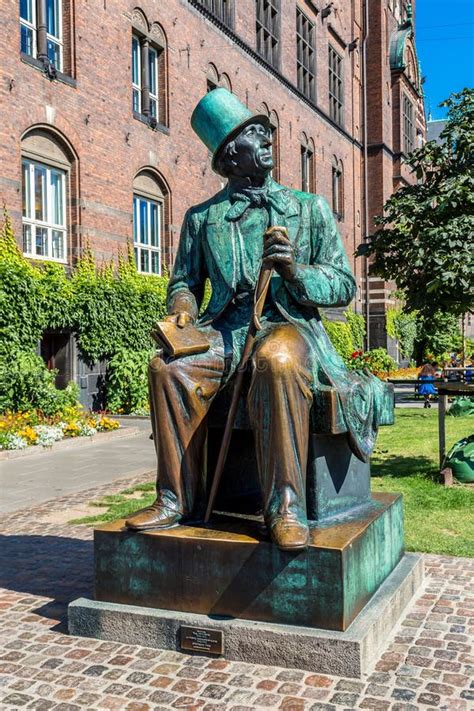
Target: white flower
[(14, 441), (86, 430), (48, 434)]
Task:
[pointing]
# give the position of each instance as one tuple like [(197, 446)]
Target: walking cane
[(260, 295)]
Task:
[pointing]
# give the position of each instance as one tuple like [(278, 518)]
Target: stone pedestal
[(230, 568), (350, 653)]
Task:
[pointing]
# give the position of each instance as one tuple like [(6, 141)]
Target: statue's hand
[(181, 318), (279, 253)]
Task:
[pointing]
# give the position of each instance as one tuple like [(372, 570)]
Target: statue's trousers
[(279, 402)]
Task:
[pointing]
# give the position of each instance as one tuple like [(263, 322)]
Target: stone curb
[(69, 443)]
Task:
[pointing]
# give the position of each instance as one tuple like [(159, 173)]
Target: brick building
[(96, 145)]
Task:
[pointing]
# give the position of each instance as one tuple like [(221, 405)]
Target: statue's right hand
[(181, 318)]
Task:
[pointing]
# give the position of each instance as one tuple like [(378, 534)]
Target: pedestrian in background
[(427, 388)]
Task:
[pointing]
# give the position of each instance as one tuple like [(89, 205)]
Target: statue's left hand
[(279, 253)]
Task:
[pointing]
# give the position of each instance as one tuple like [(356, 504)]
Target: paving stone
[(428, 699), (427, 662)]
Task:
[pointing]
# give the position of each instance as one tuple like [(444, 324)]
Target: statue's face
[(253, 151)]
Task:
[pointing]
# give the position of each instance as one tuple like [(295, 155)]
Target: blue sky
[(445, 44)]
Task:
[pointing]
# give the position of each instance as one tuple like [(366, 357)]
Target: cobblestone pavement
[(428, 661)]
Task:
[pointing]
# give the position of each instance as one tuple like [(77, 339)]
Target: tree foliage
[(426, 239)]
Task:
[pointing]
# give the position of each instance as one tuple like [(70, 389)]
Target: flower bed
[(19, 430)]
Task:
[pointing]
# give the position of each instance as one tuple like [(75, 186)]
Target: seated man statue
[(222, 240)]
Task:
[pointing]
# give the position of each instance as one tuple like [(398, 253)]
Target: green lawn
[(437, 519)]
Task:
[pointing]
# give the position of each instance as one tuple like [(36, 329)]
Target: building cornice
[(239, 42)]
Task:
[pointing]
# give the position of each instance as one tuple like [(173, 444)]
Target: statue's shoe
[(155, 516), (288, 533)]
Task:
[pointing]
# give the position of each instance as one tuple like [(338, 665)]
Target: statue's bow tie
[(259, 197)]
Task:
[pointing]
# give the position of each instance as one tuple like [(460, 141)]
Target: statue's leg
[(279, 401), (181, 391)]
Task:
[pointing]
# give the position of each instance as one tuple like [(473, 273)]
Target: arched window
[(48, 170), (275, 129), (149, 74), (46, 28), (307, 164), (338, 188), (215, 79), (150, 215)]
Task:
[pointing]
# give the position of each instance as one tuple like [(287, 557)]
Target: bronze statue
[(293, 362)]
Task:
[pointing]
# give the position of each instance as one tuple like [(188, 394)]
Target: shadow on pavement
[(47, 566)]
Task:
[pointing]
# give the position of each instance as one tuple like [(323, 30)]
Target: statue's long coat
[(324, 279)]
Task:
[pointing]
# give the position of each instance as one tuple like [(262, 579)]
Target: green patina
[(218, 116)]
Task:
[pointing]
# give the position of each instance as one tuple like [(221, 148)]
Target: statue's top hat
[(219, 117)]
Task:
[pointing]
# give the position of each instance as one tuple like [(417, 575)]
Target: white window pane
[(136, 100), (26, 10), (144, 237), (136, 256), (154, 225), (135, 61), (53, 18), (41, 243), (40, 193), (57, 244), (26, 189), (152, 61), (153, 107), (56, 208), (155, 262), (54, 54), (26, 40), (144, 260), (27, 243)]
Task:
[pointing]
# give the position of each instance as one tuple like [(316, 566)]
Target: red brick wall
[(95, 115)]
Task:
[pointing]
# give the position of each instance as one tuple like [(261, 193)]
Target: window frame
[(336, 98), (265, 33), (149, 102), (39, 8), (306, 67), (48, 224), (337, 183), (307, 168), (32, 26), (139, 246), (58, 40), (223, 10), (137, 87), (408, 125)]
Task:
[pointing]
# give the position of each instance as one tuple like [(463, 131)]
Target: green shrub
[(127, 380), (403, 327), (340, 335), (26, 384), (380, 361), (356, 324)]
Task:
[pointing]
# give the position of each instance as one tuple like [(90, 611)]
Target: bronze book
[(177, 341)]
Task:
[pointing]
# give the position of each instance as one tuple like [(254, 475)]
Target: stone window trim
[(58, 76), (152, 106), (337, 171), (305, 54), (46, 40), (336, 85), (267, 23)]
